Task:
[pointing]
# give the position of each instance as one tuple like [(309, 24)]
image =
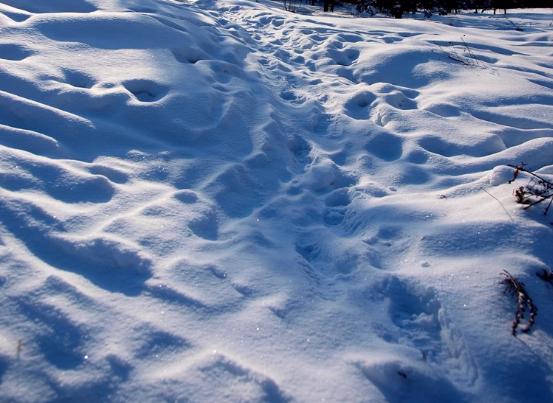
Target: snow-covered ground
[(224, 201)]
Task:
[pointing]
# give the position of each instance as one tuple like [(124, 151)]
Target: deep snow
[(224, 201)]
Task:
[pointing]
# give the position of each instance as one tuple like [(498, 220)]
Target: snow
[(225, 201)]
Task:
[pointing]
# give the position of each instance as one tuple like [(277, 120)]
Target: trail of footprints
[(416, 313)]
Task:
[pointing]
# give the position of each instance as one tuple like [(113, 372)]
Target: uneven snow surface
[(224, 201)]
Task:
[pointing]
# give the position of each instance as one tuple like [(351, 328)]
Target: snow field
[(223, 201)]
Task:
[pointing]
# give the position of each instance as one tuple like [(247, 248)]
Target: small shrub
[(535, 191)]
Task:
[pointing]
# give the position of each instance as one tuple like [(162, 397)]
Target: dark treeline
[(397, 8)]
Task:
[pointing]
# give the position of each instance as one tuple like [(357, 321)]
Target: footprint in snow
[(385, 146), (78, 79), (13, 52), (358, 106), (146, 90)]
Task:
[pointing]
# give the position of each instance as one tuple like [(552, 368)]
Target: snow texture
[(223, 201)]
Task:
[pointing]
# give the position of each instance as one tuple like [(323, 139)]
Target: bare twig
[(467, 49), (524, 303)]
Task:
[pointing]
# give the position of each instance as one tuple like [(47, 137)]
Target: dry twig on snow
[(524, 303)]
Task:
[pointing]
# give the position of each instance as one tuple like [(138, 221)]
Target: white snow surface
[(224, 201)]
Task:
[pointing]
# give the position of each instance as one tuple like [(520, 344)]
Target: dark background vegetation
[(399, 7)]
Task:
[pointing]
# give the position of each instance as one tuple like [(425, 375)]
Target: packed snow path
[(228, 202)]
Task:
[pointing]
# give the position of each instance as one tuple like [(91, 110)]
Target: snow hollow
[(222, 201)]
